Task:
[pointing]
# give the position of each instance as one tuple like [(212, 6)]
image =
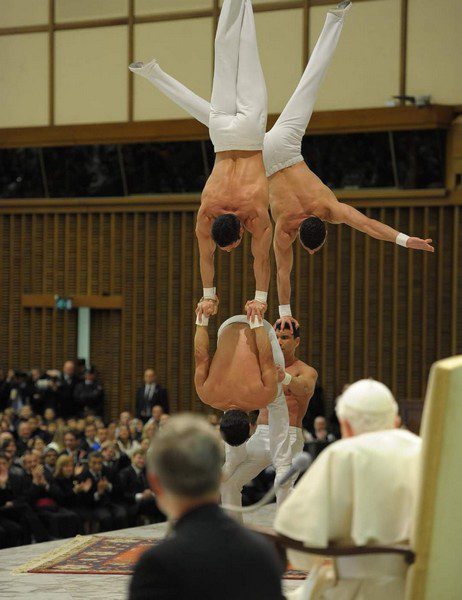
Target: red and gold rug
[(101, 555)]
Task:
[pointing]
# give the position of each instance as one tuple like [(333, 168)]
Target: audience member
[(90, 443), (137, 494), (125, 442), (97, 499), (66, 385), (321, 433), (213, 550), (89, 395), (24, 440), (150, 394)]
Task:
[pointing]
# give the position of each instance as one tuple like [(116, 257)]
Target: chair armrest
[(282, 543)]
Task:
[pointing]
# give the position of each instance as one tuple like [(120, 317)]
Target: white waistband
[(292, 429)]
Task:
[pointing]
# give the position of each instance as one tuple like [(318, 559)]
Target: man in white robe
[(360, 491)]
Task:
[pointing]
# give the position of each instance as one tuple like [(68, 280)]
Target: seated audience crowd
[(64, 469)]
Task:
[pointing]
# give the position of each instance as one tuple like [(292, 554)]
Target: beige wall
[(90, 66)]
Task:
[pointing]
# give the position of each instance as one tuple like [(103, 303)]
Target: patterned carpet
[(101, 555)]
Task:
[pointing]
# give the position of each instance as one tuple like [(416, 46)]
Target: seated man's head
[(227, 232), (235, 427), (288, 340), (184, 465), (312, 234), (139, 459), (366, 406)]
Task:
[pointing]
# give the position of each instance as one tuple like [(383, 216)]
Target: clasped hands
[(207, 307)]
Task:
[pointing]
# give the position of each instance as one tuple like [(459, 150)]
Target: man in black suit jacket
[(137, 495), (67, 406), (97, 501), (208, 555), (150, 394)]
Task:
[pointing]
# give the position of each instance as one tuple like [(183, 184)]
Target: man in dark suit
[(137, 495), (89, 395), (150, 394), (208, 555), (97, 500), (66, 385)]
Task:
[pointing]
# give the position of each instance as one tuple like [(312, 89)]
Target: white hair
[(368, 406)]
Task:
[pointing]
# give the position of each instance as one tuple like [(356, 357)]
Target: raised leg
[(282, 146), (193, 104)]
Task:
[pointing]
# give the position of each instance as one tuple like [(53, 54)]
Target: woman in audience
[(67, 490), (136, 429), (58, 437), (112, 431), (125, 442), (38, 444)]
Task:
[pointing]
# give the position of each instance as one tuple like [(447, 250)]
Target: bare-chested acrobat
[(300, 203), (245, 374), (236, 195)]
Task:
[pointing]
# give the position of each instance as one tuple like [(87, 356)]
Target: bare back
[(235, 380), (237, 185), (297, 193), (296, 405)]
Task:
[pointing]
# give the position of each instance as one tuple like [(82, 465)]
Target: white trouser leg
[(193, 104), (239, 106), (257, 458), (283, 143)]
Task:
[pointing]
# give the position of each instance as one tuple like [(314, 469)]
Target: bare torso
[(237, 185), (234, 380), (297, 405), (297, 193)]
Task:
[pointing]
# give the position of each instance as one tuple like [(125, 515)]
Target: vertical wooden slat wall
[(366, 308)]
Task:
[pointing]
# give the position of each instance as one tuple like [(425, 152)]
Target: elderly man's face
[(69, 368), (149, 376), (30, 461), (24, 430)]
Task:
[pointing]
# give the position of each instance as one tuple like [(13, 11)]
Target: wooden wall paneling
[(123, 235), (54, 286), (423, 363), (66, 285), (146, 281), (394, 322), (338, 311), (439, 283), (410, 350), (134, 315), (380, 290), (366, 332), (310, 319), (323, 316), (170, 360), (351, 354)]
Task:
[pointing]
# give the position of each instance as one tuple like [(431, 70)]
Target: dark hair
[(4, 456), (235, 427), (295, 329), (95, 454), (226, 230), (71, 432), (312, 232)]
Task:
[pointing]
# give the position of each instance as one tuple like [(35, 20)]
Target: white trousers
[(281, 145), (239, 105), (257, 457), (278, 418)]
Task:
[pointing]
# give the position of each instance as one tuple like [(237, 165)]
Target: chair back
[(437, 532)]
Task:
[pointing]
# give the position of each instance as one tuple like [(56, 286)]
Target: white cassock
[(359, 491)]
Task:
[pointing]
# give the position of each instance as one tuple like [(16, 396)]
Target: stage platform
[(86, 587)]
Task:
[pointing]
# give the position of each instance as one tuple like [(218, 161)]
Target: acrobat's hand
[(207, 307), (418, 244), (288, 320), (255, 309)]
